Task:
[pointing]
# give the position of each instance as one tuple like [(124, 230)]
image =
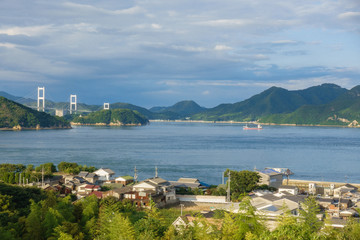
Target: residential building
[(289, 189), (270, 177), (189, 183), (125, 180), (104, 174)]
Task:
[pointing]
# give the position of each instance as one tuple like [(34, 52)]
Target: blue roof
[(204, 184), (269, 171)]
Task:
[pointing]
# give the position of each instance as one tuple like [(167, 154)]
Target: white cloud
[(156, 26), (347, 15), (7, 45), (227, 22), (85, 7), (222, 47), (28, 31), (284, 42), (189, 48)]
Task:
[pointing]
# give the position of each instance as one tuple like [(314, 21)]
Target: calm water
[(193, 150)]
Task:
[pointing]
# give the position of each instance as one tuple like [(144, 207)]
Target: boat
[(258, 127)]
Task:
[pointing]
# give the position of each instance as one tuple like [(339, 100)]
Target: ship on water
[(258, 127)]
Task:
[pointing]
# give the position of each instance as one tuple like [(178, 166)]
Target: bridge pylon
[(73, 103), (41, 99)]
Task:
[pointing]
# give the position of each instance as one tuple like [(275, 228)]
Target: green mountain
[(17, 116), (272, 101), (183, 108), (113, 117), (344, 110), (150, 115)]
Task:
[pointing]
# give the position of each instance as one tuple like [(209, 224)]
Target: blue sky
[(158, 52)]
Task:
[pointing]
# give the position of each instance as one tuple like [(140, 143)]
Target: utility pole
[(156, 172), (135, 175), (228, 190), (181, 207), (42, 177), (20, 179)]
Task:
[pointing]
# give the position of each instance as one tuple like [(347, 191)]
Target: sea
[(194, 150)]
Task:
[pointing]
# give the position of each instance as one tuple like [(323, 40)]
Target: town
[(275, 195)]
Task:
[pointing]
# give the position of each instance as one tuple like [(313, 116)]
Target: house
[(289, 189), (104, 174), (91, 188), (125, 180), (188, 183), (204, 218), (325, 203), (346, 190), (271, 206), (90, 177), (98, 194), (154, 188), (270, 177)]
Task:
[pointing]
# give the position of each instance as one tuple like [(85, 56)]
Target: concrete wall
[(201, 198)]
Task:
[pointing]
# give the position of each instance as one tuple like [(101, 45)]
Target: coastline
[(17, 128), (253, 122), (104, 124)]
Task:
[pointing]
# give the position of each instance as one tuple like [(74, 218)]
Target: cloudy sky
[(158, 52)]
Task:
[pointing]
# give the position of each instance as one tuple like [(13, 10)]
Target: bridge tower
[(106, 106), (41, 98), (73, 103)]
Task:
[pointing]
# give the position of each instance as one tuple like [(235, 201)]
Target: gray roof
[(184, 185), (82, 174), (270, 197), (108, 170), (188, 180), (295, 198), (157, 180), (330, 200), (288, 187), (91, 175)]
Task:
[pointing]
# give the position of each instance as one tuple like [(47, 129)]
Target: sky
[(159, 52)]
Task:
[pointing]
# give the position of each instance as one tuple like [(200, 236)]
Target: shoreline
[(28, 129), (104, 124), (251, 122)]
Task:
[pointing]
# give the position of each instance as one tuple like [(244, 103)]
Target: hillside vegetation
[(15, 115), (272, 101), (113, 117), (345, 110)]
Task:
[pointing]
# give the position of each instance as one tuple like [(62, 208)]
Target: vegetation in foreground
[(30, 213)]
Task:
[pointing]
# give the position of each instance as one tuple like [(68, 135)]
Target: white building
[(105, 174)]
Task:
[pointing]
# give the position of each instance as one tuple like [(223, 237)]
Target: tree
[(242, 182), (33, 222), (310, 209)]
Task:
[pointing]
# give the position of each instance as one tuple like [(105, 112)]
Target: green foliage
[(74, 168), (115, 116), (49, 168), (242, 182), (13, 114), (272, 101)]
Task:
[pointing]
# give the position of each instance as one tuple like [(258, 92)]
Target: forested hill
[(16, 116), (272, 101), (183, 108), (345, 110), (112, 117)]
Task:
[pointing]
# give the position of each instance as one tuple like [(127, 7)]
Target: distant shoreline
[(266, 124), (104, 124), (25, 128)]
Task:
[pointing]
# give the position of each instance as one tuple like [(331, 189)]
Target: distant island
[(115, 117), (323, 105), (14, 116)]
